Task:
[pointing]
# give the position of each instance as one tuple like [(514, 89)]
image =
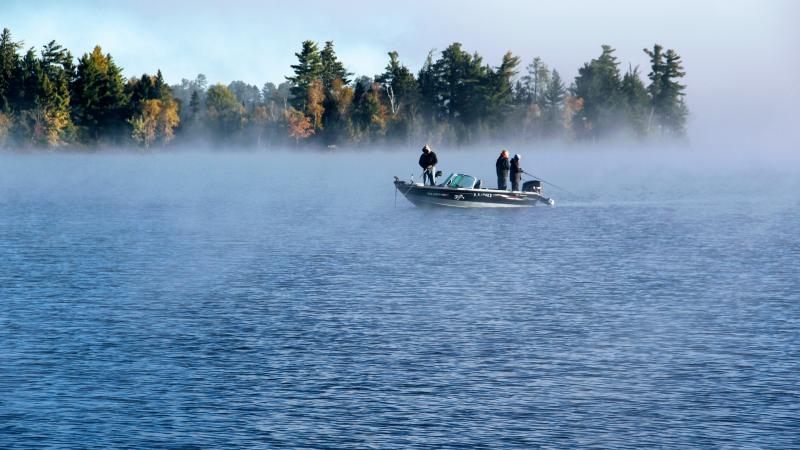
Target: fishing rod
[(545, 181)]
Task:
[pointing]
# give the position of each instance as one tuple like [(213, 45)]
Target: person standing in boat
[(502, 165), (516, 173), (428, 163)]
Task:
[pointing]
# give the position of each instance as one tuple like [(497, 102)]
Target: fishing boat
[(465, 191)]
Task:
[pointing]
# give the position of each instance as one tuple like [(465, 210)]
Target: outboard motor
[(532, 186)]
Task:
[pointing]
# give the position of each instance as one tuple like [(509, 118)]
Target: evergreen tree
[(194, 104), (153, 113), (9, 70), (656, 75), (535, 82), (100, 104), (331, 68), (668, 110), (370, 113), (552, 103), (29, 81), (674, 114), (461, 81), (402, 89), (429, 90), (500, 96), (598, 85), (248, 95), (636, 102), (402, 94), (337, 110), (308, 68)]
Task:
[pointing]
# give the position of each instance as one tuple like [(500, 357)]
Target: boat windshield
[(446, 180), (460, 181)]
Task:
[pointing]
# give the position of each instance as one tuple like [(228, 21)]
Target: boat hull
[(435, 196)]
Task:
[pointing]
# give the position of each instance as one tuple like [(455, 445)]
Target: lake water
[(215, 300)]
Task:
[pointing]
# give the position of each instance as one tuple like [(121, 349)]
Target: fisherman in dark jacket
[(516, 173), (502, 165), (428, 163)]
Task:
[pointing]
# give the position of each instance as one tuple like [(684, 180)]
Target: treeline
[(48, 99)]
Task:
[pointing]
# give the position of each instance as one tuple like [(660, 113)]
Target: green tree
[(598, 84), (499, 98), (461, 82), (535, 82), (29, 81), (370, 114), (224, 114), (636, 102), (99, 101), (402, 89), (668, 108), (306, 71), (248, 95), (9, 70), (50, 114), (154, 114), (427, 79), (552, 105), (338, 106), (194, 105), (331, 68), (402, 94)]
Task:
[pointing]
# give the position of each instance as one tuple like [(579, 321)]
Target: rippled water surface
[(262, 300)]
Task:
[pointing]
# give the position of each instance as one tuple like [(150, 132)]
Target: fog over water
[(283, 299)]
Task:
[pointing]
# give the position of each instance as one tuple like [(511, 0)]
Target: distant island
[(49, 100)]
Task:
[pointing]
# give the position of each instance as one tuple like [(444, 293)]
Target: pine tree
[(331, 68), (402, 89), (308, 68), (535, 82), (248, 95), (552, 102), (598, 85), (463, 86), (668, 109), (656, 75), (636, 102), (674, 116), (100, 103), (499, 92), (337, 110), (429, 90), (194, 105), (29, 81), (9, 70)]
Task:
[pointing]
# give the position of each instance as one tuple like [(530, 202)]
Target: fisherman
[(516, 173), (428, 163), (502, 165)]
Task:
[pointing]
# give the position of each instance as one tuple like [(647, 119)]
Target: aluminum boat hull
[(437, 196)]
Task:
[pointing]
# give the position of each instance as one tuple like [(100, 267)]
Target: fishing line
[(545, 181)]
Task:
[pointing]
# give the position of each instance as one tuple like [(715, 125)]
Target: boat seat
[(478, 184)]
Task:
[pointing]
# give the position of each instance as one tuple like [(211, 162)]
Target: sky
[(728, 47)]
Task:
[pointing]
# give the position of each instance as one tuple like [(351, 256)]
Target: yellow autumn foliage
[(155, 122)]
